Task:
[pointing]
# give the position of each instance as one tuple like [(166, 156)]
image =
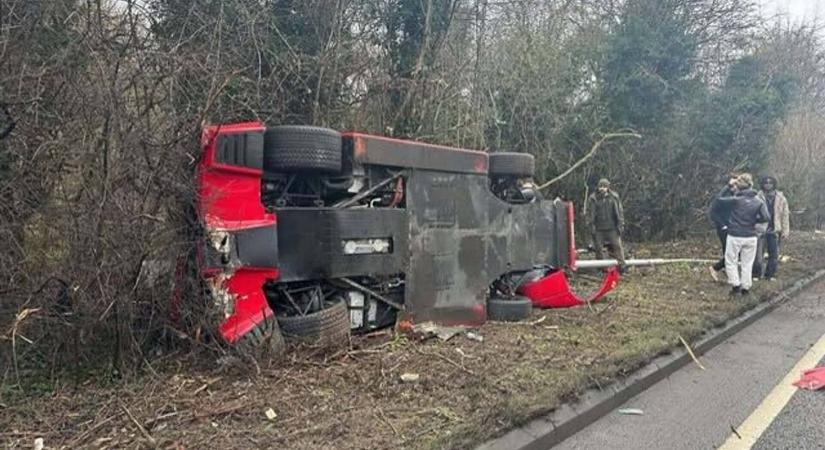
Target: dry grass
[(468, 391)]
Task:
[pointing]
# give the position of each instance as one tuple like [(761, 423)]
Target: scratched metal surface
[(462, 238)]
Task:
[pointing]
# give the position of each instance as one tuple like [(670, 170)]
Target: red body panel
[(245, 286), (553, 291), (230, 200), (230, 196)]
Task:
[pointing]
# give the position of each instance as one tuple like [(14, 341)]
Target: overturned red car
[(313, 234)]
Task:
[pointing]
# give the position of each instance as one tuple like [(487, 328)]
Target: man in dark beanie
[(605, 217), (778, 228)]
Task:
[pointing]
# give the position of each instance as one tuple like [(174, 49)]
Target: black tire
[(328, 327), (512, 164), (509, 309), (265, 337), (298, 148)]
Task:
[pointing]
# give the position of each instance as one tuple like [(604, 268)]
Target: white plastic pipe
[(605, 263)]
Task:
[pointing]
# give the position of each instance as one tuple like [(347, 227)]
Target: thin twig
[(448, 360), (383, 417), (690, 352), (140, 427)]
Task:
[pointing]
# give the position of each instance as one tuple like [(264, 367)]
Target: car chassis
[(299, 220)]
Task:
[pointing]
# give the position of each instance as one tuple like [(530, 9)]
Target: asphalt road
[(698, 409), (799, 425)]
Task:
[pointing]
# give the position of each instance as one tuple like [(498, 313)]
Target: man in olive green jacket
[(605, 217)]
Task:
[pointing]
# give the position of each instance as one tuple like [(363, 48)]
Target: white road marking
[(756, 424)]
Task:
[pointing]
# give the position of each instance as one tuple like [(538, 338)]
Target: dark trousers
[(769, 242), (613, 240), (722, 234)]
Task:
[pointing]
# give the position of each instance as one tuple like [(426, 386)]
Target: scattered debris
[(631, 412), (39, 444), (410, 377), (427, 330), (735, 432), (812, 379), (271, 414), (475, 336), (690, 352)]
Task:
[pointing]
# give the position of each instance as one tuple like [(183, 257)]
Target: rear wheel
[(513, 164), (299, 148), (509, 309)]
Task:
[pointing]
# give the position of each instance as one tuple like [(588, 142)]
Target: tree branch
[(589, 155)]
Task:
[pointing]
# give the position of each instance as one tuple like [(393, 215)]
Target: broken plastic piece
[(427, 330), (553, 290), (410, 377), (812, 379)]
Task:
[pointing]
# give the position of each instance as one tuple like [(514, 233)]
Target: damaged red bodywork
[(553, 290), (229, 201)]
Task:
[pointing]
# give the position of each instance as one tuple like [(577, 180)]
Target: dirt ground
[(467, 391)]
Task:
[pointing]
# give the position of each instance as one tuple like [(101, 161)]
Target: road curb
[(568, 419)]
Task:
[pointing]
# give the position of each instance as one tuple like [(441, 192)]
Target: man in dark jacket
[(720, 216), (605, 217), (746, 210)]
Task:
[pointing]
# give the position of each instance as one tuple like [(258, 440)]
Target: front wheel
[(509, 309), (265, 337)]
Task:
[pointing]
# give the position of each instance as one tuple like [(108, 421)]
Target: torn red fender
[(812, 379), (553, 290), (245, 289)]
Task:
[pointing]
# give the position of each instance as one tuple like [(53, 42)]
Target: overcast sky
[(796, 10)]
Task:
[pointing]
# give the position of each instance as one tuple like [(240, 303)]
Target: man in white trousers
[(746, 210)]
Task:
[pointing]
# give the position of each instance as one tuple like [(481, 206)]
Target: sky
[(796, 10)]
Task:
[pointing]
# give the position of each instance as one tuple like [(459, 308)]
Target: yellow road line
[(756, 424)]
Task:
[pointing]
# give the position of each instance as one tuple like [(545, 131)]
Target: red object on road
[(812, 379), (553, 291)]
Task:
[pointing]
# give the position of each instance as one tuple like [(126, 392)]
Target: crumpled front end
[(241, 251)]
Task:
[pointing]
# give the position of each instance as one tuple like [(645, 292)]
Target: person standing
[(605, 217), (720, 216), (776, 229), (746, 210)]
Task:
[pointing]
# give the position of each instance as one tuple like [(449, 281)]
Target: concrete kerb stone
[(594, 404)]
